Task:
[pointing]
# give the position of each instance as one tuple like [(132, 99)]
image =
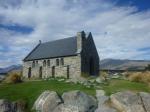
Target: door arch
[(29, 72), (40, 72), (68, 72), (53, 71), (91, 69)]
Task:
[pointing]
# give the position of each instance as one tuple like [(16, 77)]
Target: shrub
[(136, 77), (139, 77), (103, 75), (13, 78)]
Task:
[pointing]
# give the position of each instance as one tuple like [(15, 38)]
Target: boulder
[(66, 108), (5, 106), (19, 106), (127, 102), (47, 101), (102, 99), (100, 93), (60, 80), (105, 109), (79, 100), (145, 97), (98, 80), (91, 81)]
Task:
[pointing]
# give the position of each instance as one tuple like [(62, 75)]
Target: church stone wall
[(72, 62)]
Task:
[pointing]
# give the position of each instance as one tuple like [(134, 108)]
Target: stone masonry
[(84, 60), (73, 62)]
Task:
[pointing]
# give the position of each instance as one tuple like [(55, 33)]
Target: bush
[(103, 75), (13, 78), (139, 77)]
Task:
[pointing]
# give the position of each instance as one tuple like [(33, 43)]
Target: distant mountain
[(117, 64), (10, 68)]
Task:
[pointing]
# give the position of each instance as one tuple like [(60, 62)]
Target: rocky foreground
[(77, 101)]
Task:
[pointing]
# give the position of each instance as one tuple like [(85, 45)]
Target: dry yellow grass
[(139, 77), (13, 77), (103, 75)]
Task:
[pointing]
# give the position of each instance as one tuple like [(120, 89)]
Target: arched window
[(48, 62), (33, 64), (62, 61), (57, 62), (44, 63), (36, 63)]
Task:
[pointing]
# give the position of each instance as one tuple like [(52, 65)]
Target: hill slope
[(11, 68), (116, 64)]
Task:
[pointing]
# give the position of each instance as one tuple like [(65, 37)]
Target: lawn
[(29, 91), (116, 85)]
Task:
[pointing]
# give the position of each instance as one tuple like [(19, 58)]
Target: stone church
[(68, 57)]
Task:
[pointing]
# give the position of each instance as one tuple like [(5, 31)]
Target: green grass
[(116, 85), (29, 91)]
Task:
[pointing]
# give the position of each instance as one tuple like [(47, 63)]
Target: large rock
[(47, 101), (80, 101), (102, 99), (105, 109), (127, 102), (145, 97), (5, 106), (66, 108), (100, 93), (98, 80)]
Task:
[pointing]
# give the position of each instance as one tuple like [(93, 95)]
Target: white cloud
[(118, 31)]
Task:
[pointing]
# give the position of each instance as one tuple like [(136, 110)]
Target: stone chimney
[(80, 39)]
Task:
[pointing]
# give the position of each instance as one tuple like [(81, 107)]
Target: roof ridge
[(58, 40)]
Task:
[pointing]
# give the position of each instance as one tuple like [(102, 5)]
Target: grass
[(29, 91), (116, 85), (139, 77)]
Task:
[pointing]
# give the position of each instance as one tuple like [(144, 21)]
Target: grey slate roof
[(57, 48)]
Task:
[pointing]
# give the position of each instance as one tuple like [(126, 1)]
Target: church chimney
[(80, 39)]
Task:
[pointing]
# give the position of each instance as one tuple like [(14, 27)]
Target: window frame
[(57, 62), (44, 63), (33, 63), (48, 63), (62, 61)]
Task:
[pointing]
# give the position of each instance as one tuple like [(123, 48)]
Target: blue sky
[(120, 27)]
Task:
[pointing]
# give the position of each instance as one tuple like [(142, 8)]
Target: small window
[(62, 61), (44, 63), (36, 63), (33, 64), (48, 62), (57, 62)]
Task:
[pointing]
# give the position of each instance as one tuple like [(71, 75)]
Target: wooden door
[(53, 71), (29, 72), (40, 72), (67, 72)]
